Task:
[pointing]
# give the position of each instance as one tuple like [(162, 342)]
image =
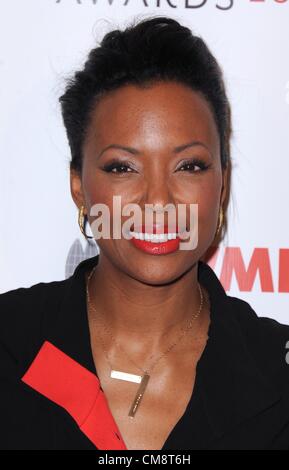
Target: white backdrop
[(44, 41)]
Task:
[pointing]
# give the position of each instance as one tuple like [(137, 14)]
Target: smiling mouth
[(154, 238), (154, 233)]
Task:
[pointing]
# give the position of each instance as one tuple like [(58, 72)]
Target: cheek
[(206, 195), (209, 211), (101, 189)]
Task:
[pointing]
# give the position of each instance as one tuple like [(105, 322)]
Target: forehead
[(141, 116)]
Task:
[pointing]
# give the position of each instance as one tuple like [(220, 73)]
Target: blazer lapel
[(233, 387), (63, 369)]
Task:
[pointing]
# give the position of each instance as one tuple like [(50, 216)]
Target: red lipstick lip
[(156, 248), (153, 229)]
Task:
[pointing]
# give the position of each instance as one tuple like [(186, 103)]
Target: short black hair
[(155, 49)]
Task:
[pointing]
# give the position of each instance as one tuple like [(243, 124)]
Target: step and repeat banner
[(44, 41)]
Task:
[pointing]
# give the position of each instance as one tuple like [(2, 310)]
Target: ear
[(76, 188)]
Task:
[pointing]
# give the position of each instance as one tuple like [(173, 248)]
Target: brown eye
[(189, 166), (117, 167)]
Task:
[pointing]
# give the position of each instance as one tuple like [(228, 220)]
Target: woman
[(141, 348)]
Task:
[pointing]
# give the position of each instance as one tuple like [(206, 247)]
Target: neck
[(134, 311)]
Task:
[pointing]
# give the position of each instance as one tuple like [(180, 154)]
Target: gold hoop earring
[(82, 219), (221, 217)]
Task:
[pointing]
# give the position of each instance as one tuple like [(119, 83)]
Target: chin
[(159, 270)]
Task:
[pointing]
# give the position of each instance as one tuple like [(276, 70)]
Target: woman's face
[(153, 121)]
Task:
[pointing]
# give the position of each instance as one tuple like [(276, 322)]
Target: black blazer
[(51, 398)]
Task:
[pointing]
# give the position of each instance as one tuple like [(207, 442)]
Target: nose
[(158, 198), (158, 193)]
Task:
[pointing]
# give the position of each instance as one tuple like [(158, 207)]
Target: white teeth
[(172, 236), (154, 238)]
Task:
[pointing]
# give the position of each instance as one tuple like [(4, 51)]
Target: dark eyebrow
[(194, 143), (134, 151), (121, 147)]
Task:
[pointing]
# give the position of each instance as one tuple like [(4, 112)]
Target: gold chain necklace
[(141, 379)]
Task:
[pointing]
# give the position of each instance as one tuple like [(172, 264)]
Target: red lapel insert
[(64, 381)]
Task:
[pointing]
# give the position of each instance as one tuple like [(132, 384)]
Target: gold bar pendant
[(139, 395), (117, 374)]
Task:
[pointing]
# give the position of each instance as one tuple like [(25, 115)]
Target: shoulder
[(22, 315), (251, 322), (266, 339)]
